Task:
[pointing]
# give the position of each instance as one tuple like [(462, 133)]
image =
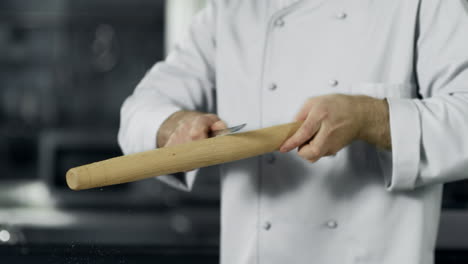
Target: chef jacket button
[(341, 15), (279, 22), (273, 87), (271, 158), (267, 226), (332, 224), (333, 83)]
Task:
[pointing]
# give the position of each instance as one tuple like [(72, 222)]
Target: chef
[(382, 88)]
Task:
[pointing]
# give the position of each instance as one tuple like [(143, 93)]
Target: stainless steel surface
[(176, 227), (453, 230), (227, 131)]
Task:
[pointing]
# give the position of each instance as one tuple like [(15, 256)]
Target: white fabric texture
[(363, 205)]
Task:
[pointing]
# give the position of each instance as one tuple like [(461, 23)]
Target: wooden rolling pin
[(179, 158)]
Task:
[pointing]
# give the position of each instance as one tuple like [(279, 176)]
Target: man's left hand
[(332, 122)]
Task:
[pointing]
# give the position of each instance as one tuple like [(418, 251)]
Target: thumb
[(218, 125)]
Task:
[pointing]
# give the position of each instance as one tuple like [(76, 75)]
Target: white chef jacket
[(257, 61)]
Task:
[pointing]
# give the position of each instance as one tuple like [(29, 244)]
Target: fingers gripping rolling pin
[(184, 157)]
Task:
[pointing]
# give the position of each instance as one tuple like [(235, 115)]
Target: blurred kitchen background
[(65, 68)]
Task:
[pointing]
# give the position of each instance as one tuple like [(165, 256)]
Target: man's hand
[(186, 126), (332, 122)]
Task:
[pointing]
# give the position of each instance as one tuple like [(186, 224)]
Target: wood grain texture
[(184, 157)]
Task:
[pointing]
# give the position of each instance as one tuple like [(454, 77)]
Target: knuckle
[(307, 128), (308, 153), (302, 154), (314, 152), (198, 119), (182, 124), (301, 137), (211, 117), (292, 142), (324, 112), (186, 126), (176, 131), (333, 152), (194, 134), (174, 134), (330, 132), (298, 142)]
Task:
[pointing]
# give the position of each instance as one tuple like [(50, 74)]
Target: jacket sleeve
[(185, 80), (430, 135)]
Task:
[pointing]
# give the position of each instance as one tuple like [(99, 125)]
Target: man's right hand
[(185, 126)]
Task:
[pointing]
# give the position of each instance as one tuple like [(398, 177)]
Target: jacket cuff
[(405, 126)]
